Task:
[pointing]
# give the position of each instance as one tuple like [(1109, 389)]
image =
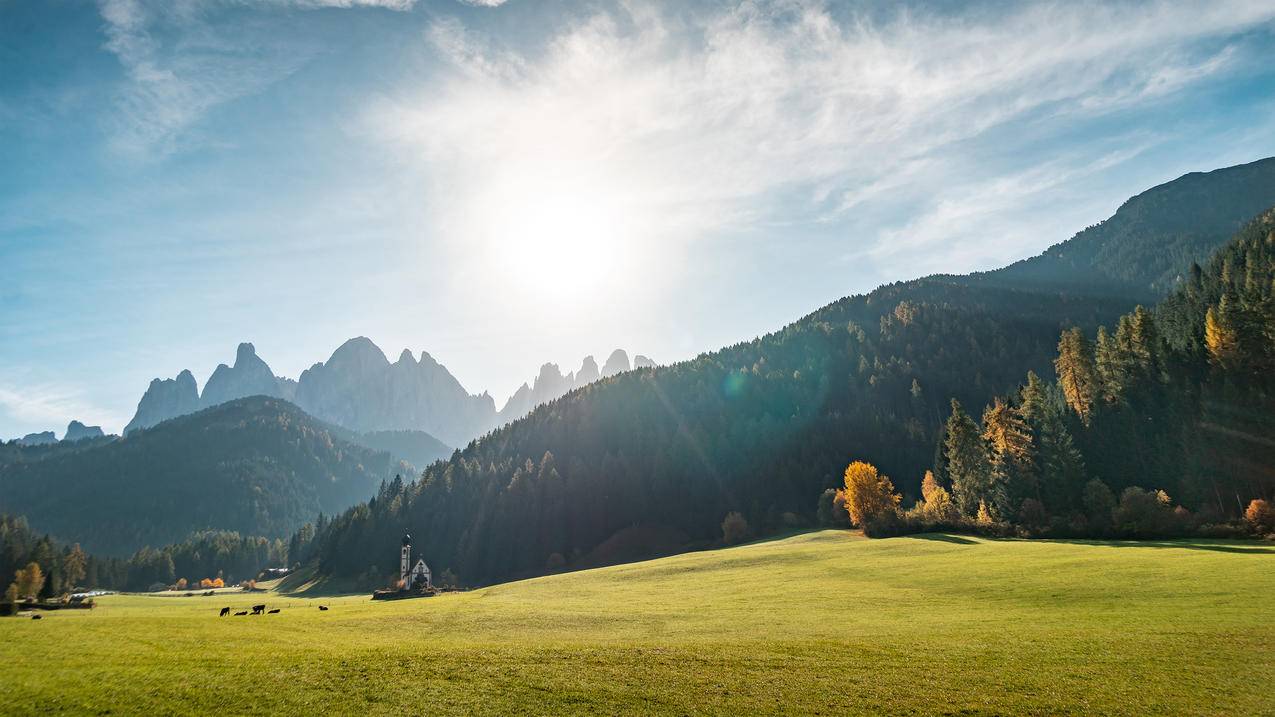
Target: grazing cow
[(258, 609), (323, 607), (273, 611), (37, 617), (224, 612), (245, 612)]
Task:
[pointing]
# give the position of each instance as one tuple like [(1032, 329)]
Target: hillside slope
[(822, 623), (760, 427), (258, 465)]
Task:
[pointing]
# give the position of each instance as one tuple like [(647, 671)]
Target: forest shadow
[(944, 538), (1185, 544)]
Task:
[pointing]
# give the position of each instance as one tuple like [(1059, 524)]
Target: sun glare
[(559, 242)]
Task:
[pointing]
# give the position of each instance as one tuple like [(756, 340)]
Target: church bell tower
[(404, 563)]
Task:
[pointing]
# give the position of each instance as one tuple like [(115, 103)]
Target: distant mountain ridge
[(256, 465), (358, 388)]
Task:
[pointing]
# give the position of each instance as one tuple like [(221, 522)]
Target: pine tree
[(1012, 453), (1221, 336), (1111, 367), (1075, 367), (967, 467)]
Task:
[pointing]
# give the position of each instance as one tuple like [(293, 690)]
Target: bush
[(831, 510), (1146, 514), (1100, 504), (1032, 515), (734, 528), (1260, 516)]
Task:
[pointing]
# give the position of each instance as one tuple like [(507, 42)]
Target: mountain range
[(359, 389), (256, 465)]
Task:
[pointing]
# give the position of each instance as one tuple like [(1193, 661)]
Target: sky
[(503, 184)]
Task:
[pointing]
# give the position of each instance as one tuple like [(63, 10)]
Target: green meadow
[(820, 623)]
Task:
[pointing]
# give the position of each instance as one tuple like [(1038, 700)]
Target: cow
[(37, 617), (323, 607), (245, 612), (224, 612), (272, 612), (258, 609)]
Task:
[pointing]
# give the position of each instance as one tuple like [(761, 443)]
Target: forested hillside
[(1146, 247), (763, 426), (258, 466), (1172, 410)]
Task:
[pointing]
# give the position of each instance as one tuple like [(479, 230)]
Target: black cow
[(224, 612), (245, 612), (273, 611), (37, 617), (323, 607), (258, 609)]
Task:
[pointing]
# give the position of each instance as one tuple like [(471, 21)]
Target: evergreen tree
[(1075, 367), (1013, 456), (966, 456)]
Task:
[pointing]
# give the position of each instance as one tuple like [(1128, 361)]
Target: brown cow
[(224, 612)]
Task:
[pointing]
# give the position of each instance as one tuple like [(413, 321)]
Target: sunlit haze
[(508, 184)]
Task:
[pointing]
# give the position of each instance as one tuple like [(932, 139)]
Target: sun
[(559, 241)]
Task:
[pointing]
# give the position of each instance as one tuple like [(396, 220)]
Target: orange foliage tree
[(869, 495)]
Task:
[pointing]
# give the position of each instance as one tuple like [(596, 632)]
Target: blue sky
[(504, 184)]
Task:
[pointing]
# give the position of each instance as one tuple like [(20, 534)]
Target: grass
[(824, 623)]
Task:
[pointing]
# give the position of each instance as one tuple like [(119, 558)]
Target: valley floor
[(822, 623)]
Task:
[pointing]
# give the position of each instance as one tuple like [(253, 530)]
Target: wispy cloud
[(53, 406), (179, 66), (771, 111)]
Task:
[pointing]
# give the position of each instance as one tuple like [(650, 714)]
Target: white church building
[(416, 577)]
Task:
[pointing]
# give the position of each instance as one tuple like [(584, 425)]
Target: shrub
[(734, 528), (1145, 514), (831, 510), (1032, 514), (1100, 504), (1260, 515)]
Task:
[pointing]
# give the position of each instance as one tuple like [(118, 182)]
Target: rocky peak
[(38, 439), (617, 362), (588, 372), (76, 430), (250, 376), (165, 399)]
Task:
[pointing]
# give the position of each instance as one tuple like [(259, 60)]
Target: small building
[(420, 576)]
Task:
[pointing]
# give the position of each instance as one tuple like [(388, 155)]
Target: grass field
[(824, 623)]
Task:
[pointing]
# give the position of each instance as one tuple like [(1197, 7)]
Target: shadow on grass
[(944, 538), (1183, 544)]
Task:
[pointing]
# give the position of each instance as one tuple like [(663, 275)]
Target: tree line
[(1159, 427), (37, 566)]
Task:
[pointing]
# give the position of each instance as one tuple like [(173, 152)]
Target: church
[(417, 577)]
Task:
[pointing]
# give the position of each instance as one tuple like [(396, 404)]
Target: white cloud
[(51, 406), (689, 124), (179, 67)]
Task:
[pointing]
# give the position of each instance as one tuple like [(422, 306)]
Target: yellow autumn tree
[(869, 495), (1220, 335), (936, 502)]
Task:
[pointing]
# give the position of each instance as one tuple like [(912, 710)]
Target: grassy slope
[(822, 622)]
